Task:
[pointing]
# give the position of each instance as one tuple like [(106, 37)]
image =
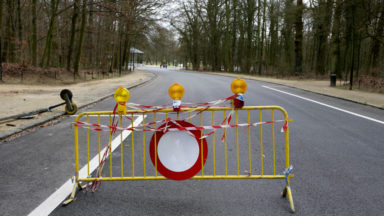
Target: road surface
[(336, 149)]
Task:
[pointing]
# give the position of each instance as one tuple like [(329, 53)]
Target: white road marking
[(326, 105), (55, 199)]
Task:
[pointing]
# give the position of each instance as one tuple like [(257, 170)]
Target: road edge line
[(281, 84), (327, 105)]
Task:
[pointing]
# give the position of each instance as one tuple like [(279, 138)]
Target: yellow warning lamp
[(121, 96), (238, 86), (176, 91)]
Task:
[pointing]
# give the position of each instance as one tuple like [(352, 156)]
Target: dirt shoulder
[(322, 87), (19, 98)]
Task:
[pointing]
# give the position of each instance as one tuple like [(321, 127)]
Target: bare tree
[(81, 36), (46, 57), (73, 32), (299, 39)]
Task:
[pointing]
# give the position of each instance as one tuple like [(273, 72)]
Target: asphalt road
[(337, 157)]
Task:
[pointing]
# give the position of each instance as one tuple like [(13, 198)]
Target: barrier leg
[(73, 194), (290, 199), (287, 191)]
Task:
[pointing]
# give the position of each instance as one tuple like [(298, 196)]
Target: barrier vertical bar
[(261, 144), (237, 142), (110, 147), (249, 145), (201, 146), (287, 146), (273, 142), (144, 147), (99, 141), (121, 148), (288, 188), (213, 144), (88, 146), (133, 149), (225, 145), (154, 119), (76, 134)]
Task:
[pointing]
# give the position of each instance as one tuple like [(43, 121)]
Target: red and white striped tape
[(197, 106), (100, 127)]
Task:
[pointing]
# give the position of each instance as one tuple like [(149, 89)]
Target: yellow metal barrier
[(261, 160)]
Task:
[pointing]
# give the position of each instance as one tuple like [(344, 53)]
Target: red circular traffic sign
[(178, 152)]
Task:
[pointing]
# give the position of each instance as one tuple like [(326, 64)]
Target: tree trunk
[(299, 39), (250, 13), (353, 48), (1, 58), (358, 57), (240, 49), (34, 34), (73, 33), (262, 40), (322, 28), (99, 55), (213, 34), (288, 37), (195, 45), (258, 36), (127, 48), (375, 47), (335, 42), (273, 32), (45, 59), (19, 23), (79, 48), (1, 17), (20, 31), (346, 51), (234, 32), (1, 51), (226, 44), (90, 33), (9, 47)]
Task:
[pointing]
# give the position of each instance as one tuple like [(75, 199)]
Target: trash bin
[(333, 79)]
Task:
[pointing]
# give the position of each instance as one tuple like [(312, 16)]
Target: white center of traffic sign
[(178, 155), (178, 150)]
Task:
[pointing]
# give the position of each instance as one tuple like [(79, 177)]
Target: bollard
[(333, 80)]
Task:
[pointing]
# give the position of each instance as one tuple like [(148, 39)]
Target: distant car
[(163, 65)]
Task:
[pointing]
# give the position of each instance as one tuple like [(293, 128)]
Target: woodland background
[(283, 38)]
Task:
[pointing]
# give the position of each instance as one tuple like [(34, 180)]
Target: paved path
[(337, 158), (17, 99)]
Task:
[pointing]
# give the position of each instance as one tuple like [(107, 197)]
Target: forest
[(284, 38), (77, 34)]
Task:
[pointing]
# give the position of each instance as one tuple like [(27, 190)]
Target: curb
[(5, 135), (346, 99)]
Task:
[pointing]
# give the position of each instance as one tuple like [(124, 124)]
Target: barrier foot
[(73, 194), (287, 191)]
